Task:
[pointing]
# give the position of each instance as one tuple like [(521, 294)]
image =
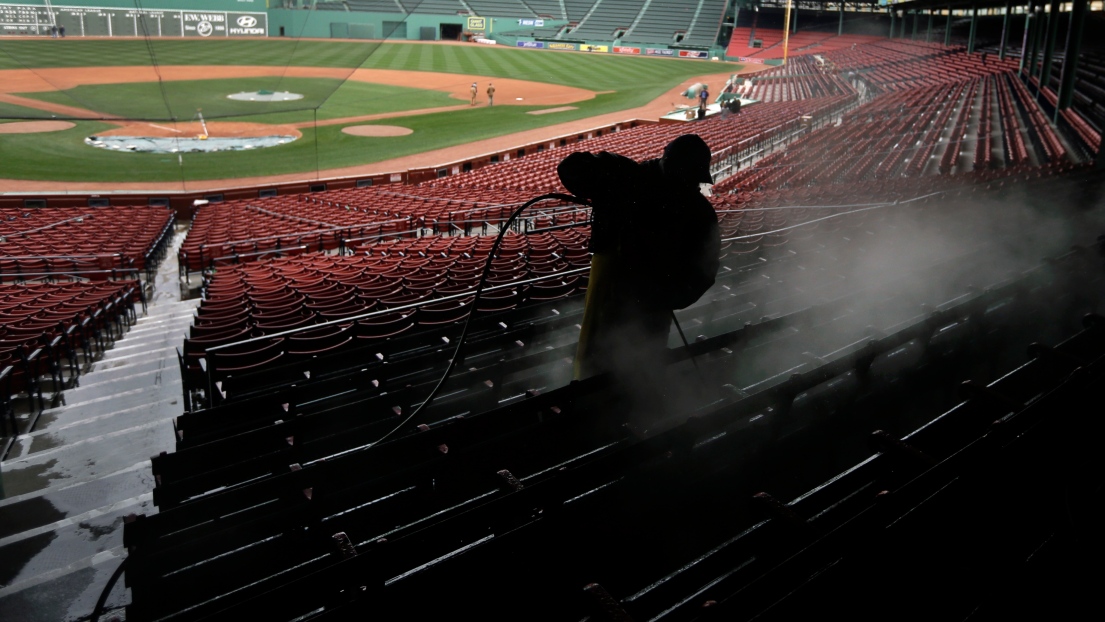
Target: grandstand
[(878, 407)]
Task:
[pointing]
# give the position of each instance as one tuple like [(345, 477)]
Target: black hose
[(99, 610)]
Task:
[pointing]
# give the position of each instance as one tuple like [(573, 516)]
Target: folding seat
[(209, 330), (551, 290), (385, 326), (404, 298), (322, 337), (499, 300), (278, 315), (288, 323), (444, 313)]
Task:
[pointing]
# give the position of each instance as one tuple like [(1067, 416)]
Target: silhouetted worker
[(655, 241)]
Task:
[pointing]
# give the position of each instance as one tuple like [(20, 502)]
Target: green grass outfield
[(63, 156)]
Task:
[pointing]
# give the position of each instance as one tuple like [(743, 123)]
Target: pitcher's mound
[(377, 130), (33, 127)]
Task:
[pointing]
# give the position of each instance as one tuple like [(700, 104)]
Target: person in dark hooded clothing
[(655, 242)]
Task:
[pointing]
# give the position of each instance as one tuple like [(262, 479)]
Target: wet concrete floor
[(67, 484)]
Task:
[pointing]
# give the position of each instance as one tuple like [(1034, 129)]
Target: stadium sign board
[(693, 54), (562, 46), (621, 49), (531, 22), (531, 44), (477, 23), (754, 61), (87, 21), (659, 52)]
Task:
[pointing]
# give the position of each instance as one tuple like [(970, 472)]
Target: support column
[(1033, 40), (892, 22), (1026, 41), (1004, 30), (948, 27), (1049, 43), (928, 33), (794, 28), (904, 19), (916, 18), (840, 27), (974, 27), (1041, 33), (1070, 57)]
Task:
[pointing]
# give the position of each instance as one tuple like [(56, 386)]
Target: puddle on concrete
[(18, 479)]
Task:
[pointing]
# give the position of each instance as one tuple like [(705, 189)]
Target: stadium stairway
[(66, 485)]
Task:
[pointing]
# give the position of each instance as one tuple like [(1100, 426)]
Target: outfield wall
[(119, 18)]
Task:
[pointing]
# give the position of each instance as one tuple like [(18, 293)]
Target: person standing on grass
[(473, 91), (490, 94)]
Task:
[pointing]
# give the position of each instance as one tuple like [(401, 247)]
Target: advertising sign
[(531, 44), (477, 23), (621, 49), (561, 46), (659, 52), (755, 61), (531, 22), (693, 54), (595, 48)]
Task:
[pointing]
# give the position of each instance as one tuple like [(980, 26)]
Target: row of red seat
[(37, 240), (44, 324)]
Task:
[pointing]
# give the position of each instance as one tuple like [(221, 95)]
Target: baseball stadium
[(598, 310)]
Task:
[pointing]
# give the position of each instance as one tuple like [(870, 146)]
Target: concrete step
[(145, 344), (30, 513), (57, 580), (167, 322), (39, 463), (92, 386), (158, 359)]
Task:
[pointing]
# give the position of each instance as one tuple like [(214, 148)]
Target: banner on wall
[(621, 49), (754, 61), (477, 23), (562, 46), (531, 44), (693, 54), (595, 48), (531, 22), (659, 52)]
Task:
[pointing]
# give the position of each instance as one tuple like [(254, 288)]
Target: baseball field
[(362, 102)]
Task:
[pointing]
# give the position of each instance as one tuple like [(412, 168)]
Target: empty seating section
[(799, 79), (44, 325), (402, 248), (261, 299), (375, 6), (436, 7), (303, 364), (501, 8), (607, 17), (552, 9), (94, 241), (740, 43), (704, 29), (577, 9), (661, 20), (913, 130)]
